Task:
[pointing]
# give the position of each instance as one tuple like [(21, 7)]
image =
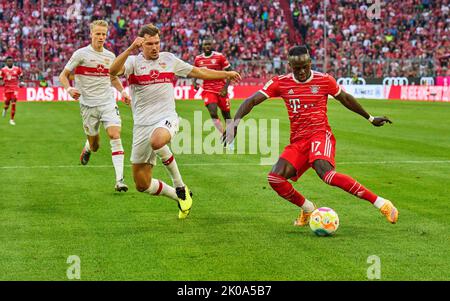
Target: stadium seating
[(254, 34)]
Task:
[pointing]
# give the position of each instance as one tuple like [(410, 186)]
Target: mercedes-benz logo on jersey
[(154, 73), (100, 68)]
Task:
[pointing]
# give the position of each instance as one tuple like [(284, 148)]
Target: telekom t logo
[(294, 104)]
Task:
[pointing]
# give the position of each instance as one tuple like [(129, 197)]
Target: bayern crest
[(315, 89)]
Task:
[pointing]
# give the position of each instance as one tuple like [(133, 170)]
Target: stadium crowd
[(409, 40)]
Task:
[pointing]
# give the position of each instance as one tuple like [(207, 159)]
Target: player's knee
[(157, 143), (322, 168), (140, 187), (114, 136), (275, 180), (141, 184)]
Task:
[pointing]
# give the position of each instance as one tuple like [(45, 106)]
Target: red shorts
[(222, 102), (303, 153), (10, 95)]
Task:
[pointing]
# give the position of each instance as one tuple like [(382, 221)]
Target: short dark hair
[(9, 58), (298, 50), (149, 29)]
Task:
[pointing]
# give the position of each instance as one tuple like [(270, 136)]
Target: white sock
[(117, 157), (169, 162), (87, 146), (379, 202), (158, 187), (308, 206)]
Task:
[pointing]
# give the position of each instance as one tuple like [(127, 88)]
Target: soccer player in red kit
[(312, 144), (215, 92), (12, 78)]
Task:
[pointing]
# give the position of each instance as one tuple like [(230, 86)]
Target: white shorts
[(141, 151), (92, 116)]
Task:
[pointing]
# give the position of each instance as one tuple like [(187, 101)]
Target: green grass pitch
[(239, 229)]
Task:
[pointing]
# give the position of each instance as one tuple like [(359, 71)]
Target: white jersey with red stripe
[(152, 86), (92, 79), (306, 101)]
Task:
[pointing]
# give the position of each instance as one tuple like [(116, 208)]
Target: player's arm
[(208, 74), (244, 109), (65, 82), (353, 105), (116, 83), (118, 66)]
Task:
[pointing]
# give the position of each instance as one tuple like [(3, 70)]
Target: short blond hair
[(98, 23)]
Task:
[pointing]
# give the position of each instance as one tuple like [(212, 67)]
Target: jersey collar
[(306, 81)]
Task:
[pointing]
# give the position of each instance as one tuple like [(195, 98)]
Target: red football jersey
[(11, 78), (306, 102), (216, 61)]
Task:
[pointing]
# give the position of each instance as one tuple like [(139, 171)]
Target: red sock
[(6, 106), (285, 189), (13, 110), (350, 185)]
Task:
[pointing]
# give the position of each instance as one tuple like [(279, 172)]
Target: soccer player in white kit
[(97, 104), (151, 75)]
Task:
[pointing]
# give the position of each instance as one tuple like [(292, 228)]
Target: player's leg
[(143, 158), (142, 175), (212, 109), (291, 165), (323, 164), (13, 112), (110, 117), (159, 139), (91, 145), (117, 155), (91, 124), (6, 104), (13, 108), (211, 100), (224, 105)]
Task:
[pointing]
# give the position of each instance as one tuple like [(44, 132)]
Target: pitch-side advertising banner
[(425, 93)]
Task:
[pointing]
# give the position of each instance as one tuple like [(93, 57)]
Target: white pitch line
[(226, 164)]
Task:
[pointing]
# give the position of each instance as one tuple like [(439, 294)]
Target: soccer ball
[(324, 221)]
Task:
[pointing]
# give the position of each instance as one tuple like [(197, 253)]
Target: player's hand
[(223, 92), (74, 93), (126, 98), (380, 120), (137, 43), (233, 76), (21, 84)]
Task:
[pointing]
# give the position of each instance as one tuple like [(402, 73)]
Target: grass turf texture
[(239, 229)]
